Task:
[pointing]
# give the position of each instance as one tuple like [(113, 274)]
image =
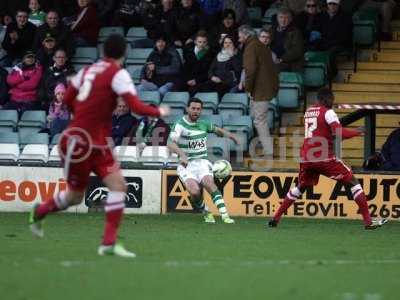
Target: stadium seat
[(126, 153), (255, 16), (33, 118), (158, 155), (137, 56), (6, 129), (85, 55), (8, 118), (234, 104), (269, 15), (218, 148), (37, 138), (215, 119), (177, 101), (315, 71), (210, 101), (135, 71), (171, 119), (78, 67), (54, 156), (288, 95), (150, 97), (34, 153), (365, 27), (9, 138), (107, 31), (238, 124), (9, 152), (135, 33)]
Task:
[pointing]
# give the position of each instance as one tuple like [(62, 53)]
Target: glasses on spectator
[(311, 5)]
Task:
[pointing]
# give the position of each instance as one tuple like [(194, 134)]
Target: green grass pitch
[(178, 257)]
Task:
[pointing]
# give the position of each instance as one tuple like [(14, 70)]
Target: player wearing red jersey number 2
[(84, 148), (317, 157)]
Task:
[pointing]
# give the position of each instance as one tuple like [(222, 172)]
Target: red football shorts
[(334, 169), (80, 161)]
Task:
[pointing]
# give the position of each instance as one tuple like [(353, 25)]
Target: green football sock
[(219, 202)]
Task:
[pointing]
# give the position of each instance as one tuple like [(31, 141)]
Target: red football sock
[(114, 208), (57, 203), (113, 219), (361, 201), (283, 208), (45, 208)]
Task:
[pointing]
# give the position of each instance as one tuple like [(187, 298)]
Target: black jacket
[(186, 22), (61, 33), (307, 23), (3, 86), (24, 42), (336, 31), (228, 71), (391, 152), (194, 68), (121, 127)]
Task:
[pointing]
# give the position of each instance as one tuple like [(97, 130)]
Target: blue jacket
[(391, 151)]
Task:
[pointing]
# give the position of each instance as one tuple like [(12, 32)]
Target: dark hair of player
[(115, 46), (195, 100), (325, 97)]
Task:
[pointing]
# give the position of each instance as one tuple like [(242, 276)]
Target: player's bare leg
[(197, 200), (209, 185), (61, 201), (294, 194), (361, 200), (114, 208)]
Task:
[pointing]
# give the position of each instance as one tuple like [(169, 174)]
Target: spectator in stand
[(36, 16), (127, 14), (309, 21), (228, 26), (85, 28), (65, 8), (386, 9), (211, 10), (162, 68), (150, 16), (166, 14), (123, 123), (18, 39), (186, 22), (9, 8), (52, 76), (287, 42), (46, 53), (337, 29), (261, 83), (240, 9), (56, 29), (24, 81), (151, 132), (105, 10), (4, 96), (391, 152), (198, 59), (265, 37), (225, 70), (58, 117), (295, 6)]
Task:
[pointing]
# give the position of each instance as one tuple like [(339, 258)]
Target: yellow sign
[(260, 194)]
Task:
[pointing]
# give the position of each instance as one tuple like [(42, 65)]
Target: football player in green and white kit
[(188, 139)]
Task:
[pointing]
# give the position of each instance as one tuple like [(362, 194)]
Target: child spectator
[(58, 117), (36, 16)]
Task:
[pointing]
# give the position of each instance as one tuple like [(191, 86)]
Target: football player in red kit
[(84, 146), (321, 127)]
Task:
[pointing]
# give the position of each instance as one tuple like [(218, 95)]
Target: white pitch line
[(251, 263)]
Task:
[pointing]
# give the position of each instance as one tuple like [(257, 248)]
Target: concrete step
[(365, 87), (367, 97), (373, 78), (371, 66)]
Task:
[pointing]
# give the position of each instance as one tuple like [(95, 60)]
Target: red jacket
[(24, 83)]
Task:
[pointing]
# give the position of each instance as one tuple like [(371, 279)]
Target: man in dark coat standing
[(261, 82)]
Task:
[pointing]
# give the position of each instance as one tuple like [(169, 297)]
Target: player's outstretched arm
[(225, 133), (345, 133)]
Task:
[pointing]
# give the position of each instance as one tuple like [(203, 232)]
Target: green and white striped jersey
[(192, 137)]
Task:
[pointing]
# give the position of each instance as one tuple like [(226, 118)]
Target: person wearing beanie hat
[(58, 117), (228, 26)]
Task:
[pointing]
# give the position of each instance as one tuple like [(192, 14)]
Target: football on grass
[(222, 168)]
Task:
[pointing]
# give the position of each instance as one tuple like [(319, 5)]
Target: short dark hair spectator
[(115, 46)]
